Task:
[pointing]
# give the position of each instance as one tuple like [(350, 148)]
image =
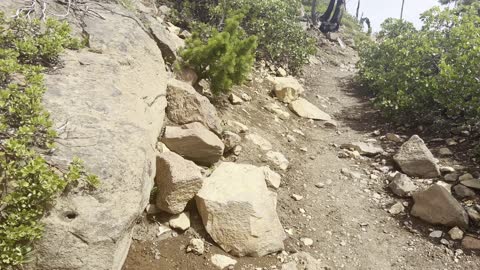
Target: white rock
[(436, 234), (278, 159), (396, 209), (305, 109), (196, 246), (274, 108), (297, 197), (246, 97), (272, 178), (180, 221), (258, 140), (237, 126), (306, 241), (281, 72), (366, 149), (234, 99), (222, 262), (238, 211), (231, 140)]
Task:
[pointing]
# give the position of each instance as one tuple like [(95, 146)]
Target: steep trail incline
[(344, 203)]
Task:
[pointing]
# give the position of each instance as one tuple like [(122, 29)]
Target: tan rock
[(178, 181), (286, 89), (416, 160), (194, 142), (180, 221), (238, 211), (305, 109), (259, 141)]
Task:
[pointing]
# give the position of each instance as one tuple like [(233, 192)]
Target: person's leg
[(326, 16)]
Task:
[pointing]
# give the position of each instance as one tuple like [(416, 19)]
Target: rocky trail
[(333, 201)]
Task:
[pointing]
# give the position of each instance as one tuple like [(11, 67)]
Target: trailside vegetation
[(428, 73), (28, 183)]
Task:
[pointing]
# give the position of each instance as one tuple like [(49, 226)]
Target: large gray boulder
[(107, 103), (178, 181), (185, 105), (238, 211), (194, 142), (437, 206), (416, 160)]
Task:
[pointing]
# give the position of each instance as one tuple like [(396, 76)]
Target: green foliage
[(28, 183), (422, 74), (281, 38), (226, 58)]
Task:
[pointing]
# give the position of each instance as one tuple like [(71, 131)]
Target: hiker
[(332, 23)]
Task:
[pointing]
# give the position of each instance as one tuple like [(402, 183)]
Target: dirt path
[(347, 218)]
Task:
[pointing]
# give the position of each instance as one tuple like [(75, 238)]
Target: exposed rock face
[(286, 89), (194, 142), (305, 109), (435, 205), (168, 42), (238, 211), (416, 160), (178, 181), (109, 106), (186, 106)]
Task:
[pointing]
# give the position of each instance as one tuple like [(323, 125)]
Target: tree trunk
[(358, 9), (314, 12), (401, 13)]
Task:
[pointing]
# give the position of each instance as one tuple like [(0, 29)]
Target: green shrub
[(281, 38), (427, 73), (29, 184), (226, 58)]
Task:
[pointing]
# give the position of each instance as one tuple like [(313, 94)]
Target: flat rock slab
[(472, 183), (437, 206), (470, 242), (238, 211), (194, 142), (366, 149), (416, 160), (185, 105), (178, 181), (305, 109)]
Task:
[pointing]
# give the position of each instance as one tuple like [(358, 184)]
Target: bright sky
[(378, 10)]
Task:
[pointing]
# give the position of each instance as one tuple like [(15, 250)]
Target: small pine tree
[(225, 59)]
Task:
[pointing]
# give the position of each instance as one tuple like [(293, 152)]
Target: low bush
[(226, 58), (427, 73), (28, 183)]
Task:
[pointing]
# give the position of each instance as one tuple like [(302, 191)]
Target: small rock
[(396, 209), (306, 241), (445, 152), (305, 109), (366, 149), (451, 142), (464, 192), (291, 138), (222, 262), (466, 176), (272, 178), (234, 99), (196, 246), (237, 150), (281, 72), (237, 126), (258, 140), (246, 97), (320, 185), (286, 89), (230, 140), (180, 221), (451, 177), (436, 234), (447, 169), (472, 183), (456, 233), (297, 197), (473, 214), (393, 138), (402, 185), (470, 242), (278, 159), (274, 108)]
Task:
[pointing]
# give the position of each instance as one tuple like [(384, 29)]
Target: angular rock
[(197, 246), (237, 126), (278, 159), (456, 233), (416, 160), (393, 138), (451, 177), (472, 183), (281, 72), (445, 152), (306, 241), (258, 140), (470, 242), (396, 209), (286, 89), (365, 149), (445, 185), (305, 109), (272, 178), (180, 221), (436, 234), (234, 99), (186, 106), (465, 177), (464, 192), (231, 140), (194, 142), (238, 211), (178, 181), (402, 185), (436, 206), (168, 42), (222, 262)]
